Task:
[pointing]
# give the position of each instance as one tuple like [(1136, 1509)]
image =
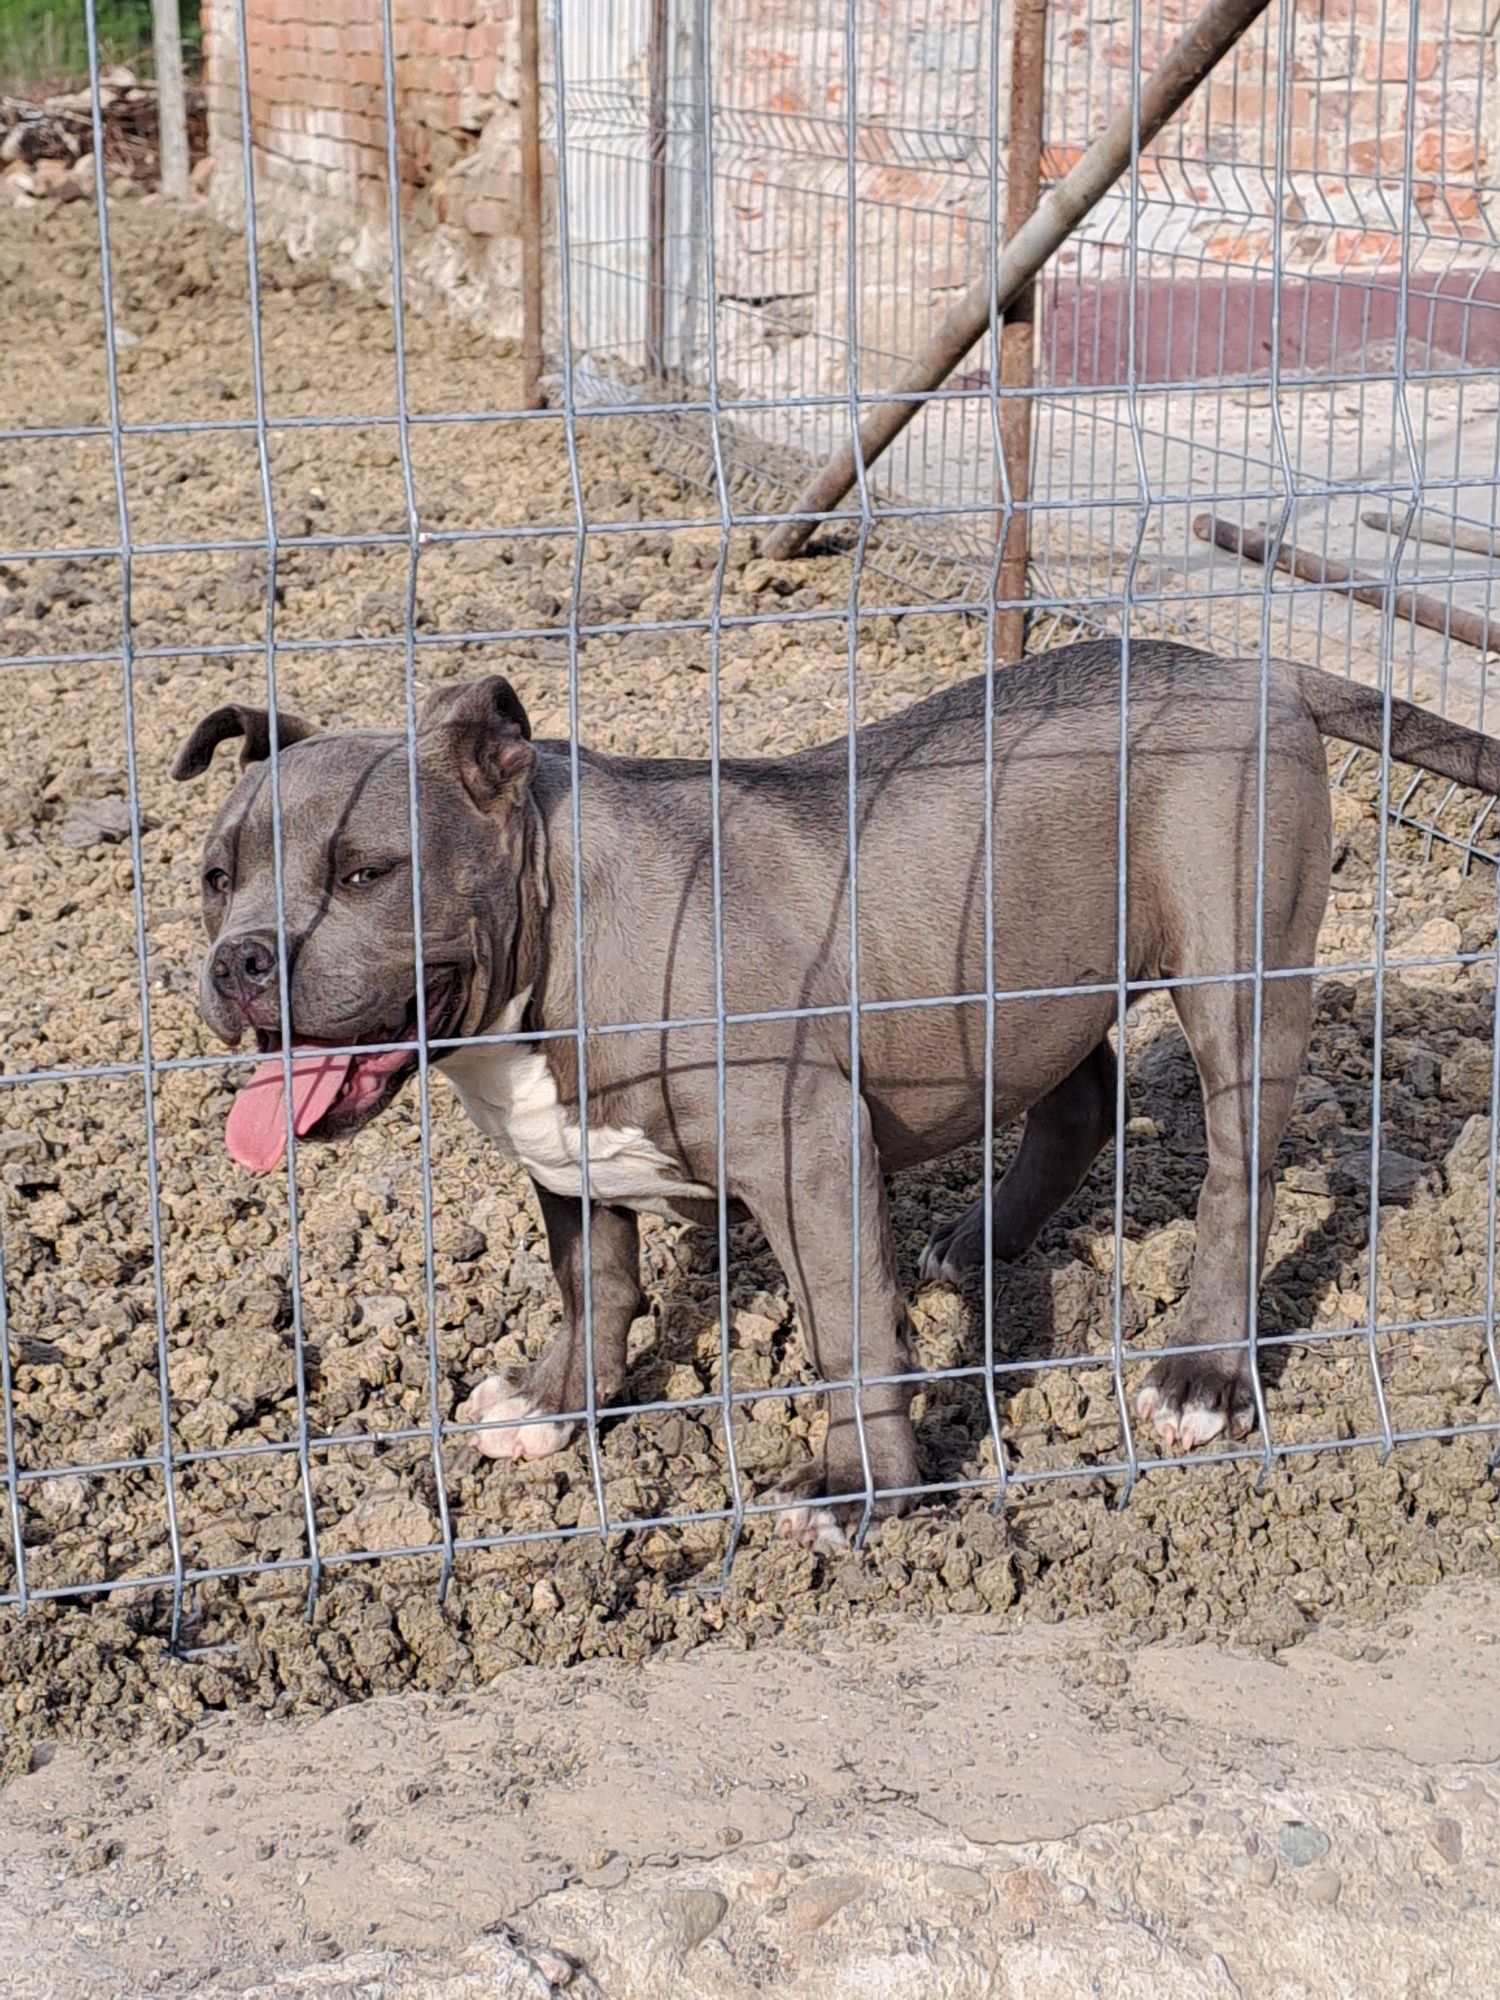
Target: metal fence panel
[(1292, 337)]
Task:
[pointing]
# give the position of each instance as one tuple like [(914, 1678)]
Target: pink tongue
[(256, 1131)]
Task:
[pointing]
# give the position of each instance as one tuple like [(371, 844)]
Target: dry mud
[(1334, 1537), (997, 1814)]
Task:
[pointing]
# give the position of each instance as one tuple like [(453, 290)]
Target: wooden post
[(171, 103), (1198, 49), (532, 358), (1028, 88)]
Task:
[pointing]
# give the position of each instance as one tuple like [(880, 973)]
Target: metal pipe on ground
[(1191, 57), (1437, 614), (1028, 70), (1445, 530)]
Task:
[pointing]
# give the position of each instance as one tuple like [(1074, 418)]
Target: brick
[(1462, 203), (487, 215), (1383, 155), (1121, 47), (1454, 104), (1446, 153), (1465, 58), (1366, 248), (1246, 107), (1243, 246), (1388, 62)]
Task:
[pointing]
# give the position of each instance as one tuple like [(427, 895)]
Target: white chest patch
[(509, 1091)]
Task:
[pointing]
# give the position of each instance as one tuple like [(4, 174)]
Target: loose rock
[(813, 1903), (96, 822), (1302, 1845), (688, 1916)]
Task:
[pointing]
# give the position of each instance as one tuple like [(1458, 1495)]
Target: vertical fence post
[(1028, 71), (656, 194), (531, 208), (171, 103)]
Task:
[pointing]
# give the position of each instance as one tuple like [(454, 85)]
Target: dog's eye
[(217, 881), (361, 878)]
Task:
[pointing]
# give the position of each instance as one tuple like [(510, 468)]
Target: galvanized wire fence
[(743, 278)]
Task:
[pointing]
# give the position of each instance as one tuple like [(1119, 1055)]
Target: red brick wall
[(1355, 90), (318, 120)]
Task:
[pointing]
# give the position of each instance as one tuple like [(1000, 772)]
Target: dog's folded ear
[(253, 724), (482, 730)]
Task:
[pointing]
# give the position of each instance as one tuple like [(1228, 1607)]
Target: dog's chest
[(510, 1093)]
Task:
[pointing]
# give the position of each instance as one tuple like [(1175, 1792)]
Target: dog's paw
[(1191, 1401), (938, 1266), (500, 1400), (808, 1522), (803, 1515)]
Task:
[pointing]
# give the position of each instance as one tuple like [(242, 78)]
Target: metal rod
[(171, 102), (532, 356), (1446, 530), (1436, 613), (1028, 71), (656, 194), (1189, 60)]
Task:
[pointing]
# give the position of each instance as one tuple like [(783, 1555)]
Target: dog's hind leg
[(1191, 1399), (1064, 1133), (556, 1385)]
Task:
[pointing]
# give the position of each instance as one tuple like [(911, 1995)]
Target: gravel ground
[(1197, 1551)]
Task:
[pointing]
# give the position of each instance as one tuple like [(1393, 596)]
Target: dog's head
[(346, 906)]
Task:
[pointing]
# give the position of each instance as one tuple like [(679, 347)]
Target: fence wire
[(761, 212)]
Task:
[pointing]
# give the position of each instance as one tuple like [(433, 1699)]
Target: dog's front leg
[(803, 1193), (556, 1385)]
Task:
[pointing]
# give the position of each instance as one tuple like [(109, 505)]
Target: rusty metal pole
[(656, 194), (1200, 46), (1028, 89), (531, 209)]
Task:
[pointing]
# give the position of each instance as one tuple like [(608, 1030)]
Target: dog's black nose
[(244, 966)]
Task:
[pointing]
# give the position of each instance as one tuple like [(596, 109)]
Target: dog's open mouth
[(330, 1093)]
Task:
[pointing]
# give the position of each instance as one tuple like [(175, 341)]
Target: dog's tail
[(1356, 714)]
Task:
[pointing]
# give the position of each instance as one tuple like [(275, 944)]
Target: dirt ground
[(995, 1814), (1199, 1552)]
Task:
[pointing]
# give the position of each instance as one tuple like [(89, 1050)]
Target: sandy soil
[(1197, 1552)]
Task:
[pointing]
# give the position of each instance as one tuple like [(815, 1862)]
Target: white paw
[(1200, 1425), (815, 1527), (1186, 1428), (935, 1269), (497, 1401)]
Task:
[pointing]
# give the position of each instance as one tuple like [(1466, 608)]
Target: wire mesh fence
[(1278, 325)]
